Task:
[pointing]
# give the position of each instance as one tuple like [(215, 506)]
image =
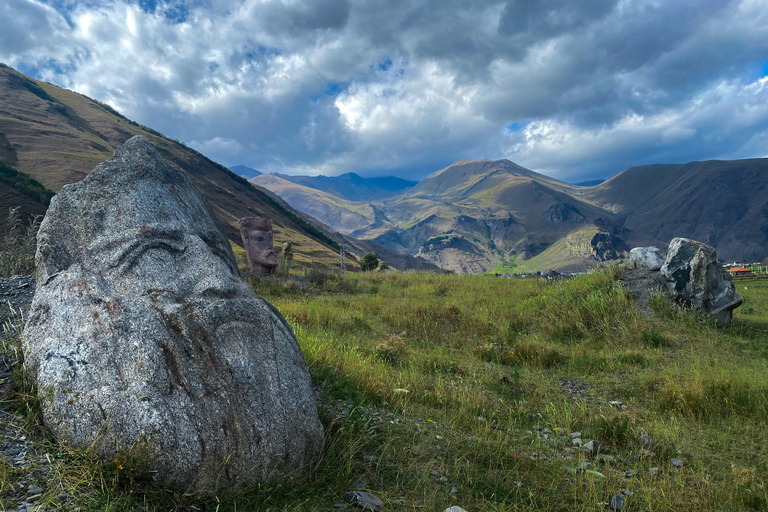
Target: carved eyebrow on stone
[(130, 246)]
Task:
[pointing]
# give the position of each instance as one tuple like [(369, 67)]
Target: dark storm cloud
[(406, 87), (550, 18)]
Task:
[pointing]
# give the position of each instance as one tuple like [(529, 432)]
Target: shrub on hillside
[(370, 262), (25, 184)]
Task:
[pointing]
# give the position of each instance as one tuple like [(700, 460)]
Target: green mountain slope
[(472, 216), (353, 187), (475, 216), (721, 203), (343, 215)]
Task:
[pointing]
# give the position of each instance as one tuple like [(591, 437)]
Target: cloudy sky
[(576, 89)]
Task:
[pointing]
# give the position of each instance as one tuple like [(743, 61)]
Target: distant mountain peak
[(245, 171), (350, 186)]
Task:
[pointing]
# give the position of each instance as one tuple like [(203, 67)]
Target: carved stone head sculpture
[(142, 334), (257, 240)]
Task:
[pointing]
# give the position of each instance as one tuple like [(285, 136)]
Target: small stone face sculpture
[(142, 334), (257, 240)]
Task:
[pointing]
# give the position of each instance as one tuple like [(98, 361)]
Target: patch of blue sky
[(44, 68), (335, 88), (259, 52), (765, 68), (517, 126), (175, 12), (332, 89), (390, 67), (28, 69)]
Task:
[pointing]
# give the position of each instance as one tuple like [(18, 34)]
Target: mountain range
[(472, 216), (483, 215), (50, 136), (245, 171)]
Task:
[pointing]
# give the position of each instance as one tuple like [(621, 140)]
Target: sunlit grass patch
[(715, 393), (445, 390)]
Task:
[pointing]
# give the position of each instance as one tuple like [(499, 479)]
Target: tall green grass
[(502, 371)]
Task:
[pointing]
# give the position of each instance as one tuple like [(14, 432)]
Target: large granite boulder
[(646, 257), (695, 278), (143, 337)]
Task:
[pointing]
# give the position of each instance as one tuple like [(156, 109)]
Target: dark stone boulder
[(142, 337), (695, 278)]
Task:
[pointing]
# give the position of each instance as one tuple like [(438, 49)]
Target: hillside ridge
[(57, 136)]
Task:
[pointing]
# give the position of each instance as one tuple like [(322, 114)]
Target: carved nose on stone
[(214, 277)]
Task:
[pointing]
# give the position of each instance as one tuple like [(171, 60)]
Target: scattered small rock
[(653, 472), (647, 442), (617, 502), (677, 463), (364, 500), (575, 435), (455, 509), (591, 447)]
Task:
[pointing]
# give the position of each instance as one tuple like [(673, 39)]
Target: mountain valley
[(479, 216)]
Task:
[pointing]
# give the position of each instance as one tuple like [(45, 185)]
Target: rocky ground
[(642, 284), (15, 297), (19, 449)]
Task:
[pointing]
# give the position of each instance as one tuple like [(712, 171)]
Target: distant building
[(740, 271)]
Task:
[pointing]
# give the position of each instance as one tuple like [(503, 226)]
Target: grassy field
[(443, 390)]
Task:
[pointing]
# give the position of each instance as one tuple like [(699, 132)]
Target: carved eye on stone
[(159, 254)]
